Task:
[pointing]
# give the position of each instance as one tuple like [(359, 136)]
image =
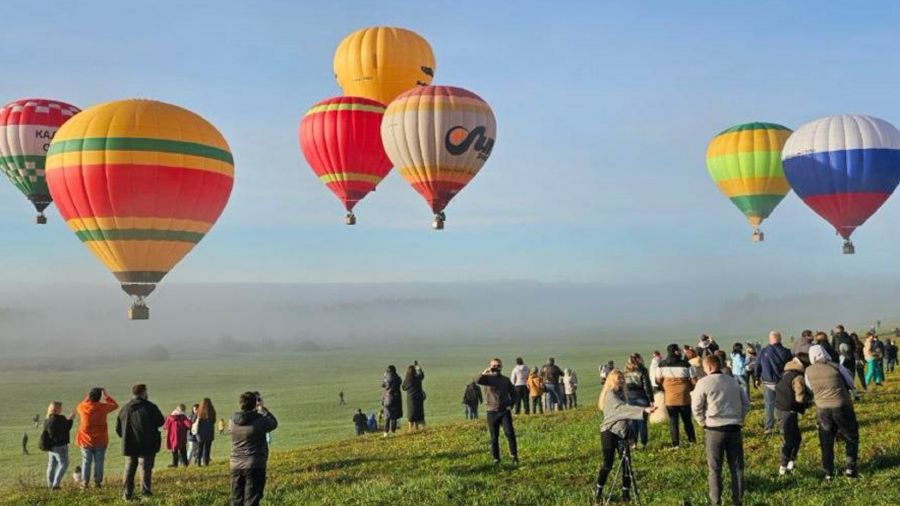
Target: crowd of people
[(690, 383), (138, 424)]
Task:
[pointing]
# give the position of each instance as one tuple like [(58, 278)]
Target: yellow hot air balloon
[(381, 62)]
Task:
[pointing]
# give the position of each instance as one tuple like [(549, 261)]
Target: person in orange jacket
[(93, 434)]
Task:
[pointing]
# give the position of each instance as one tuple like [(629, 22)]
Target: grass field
[(447, 463)]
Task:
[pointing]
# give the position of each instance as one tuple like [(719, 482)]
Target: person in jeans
[(570, 382), (205, 432), (676, 378), (138, 425), (191, 437), (719, 405), (519, 378), (249, 449), (769, 368), (536, 391), (93, 433), (472, 398), (831, 385), (615, 430), (499, 394), (551, 374), (177, 425), (57, 428), (638, 392), (791, 400)]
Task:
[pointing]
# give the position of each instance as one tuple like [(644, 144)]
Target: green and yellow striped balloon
[(745, 163)]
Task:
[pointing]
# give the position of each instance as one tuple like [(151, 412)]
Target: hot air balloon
[(341, 140), (140, 183), (438, 138), (844, 168), (382, 62), (27, 127), (745, 163)]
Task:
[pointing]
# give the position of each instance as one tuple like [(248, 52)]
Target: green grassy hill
[(559, 457)]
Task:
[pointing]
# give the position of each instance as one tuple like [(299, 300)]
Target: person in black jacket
[(249, 449), (499, 398), (472, 398), (391, 400), (205, 424), (138, 425), (853, 354), (56, 433), (360, 422), (415, 397)]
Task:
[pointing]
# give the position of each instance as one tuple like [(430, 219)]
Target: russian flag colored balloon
[(844, 168)]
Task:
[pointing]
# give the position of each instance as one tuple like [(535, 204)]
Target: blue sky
[(604, 110)]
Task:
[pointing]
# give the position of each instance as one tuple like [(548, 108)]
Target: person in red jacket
[(177, 426), (93, 433)]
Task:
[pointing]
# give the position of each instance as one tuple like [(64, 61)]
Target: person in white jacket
[(519, 379), (719, 405), (570, 383)]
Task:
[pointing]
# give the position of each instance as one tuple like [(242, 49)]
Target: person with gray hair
[(769, 369)]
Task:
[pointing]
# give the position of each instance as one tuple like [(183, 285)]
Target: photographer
[(499, 396), (615, 430), (249, 449)]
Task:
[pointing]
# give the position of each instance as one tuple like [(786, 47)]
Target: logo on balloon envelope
[(459, 139)]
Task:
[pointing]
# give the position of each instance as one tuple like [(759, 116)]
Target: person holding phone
[(499, 396)]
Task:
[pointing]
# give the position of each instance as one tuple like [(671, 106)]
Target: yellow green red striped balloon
[(745, 163), (140, 183)]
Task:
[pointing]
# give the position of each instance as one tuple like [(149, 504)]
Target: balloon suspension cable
[(350, 219), (758, 235), (438, 222), (849, 249), (40, 219)]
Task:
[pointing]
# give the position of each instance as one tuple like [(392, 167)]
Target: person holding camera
[(249, 449), (93, 433), (499, 396), (615, 431)]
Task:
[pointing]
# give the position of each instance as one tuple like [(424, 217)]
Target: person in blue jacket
[(769, 369)]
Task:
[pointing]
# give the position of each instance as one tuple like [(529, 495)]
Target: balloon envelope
[(26, 129), (341, 140), (438, 138), (843, 167), (382, 62), (745, 163), (140, 183)]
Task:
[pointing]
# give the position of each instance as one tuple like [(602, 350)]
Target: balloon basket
[(849, 249), (758, 236), (438, 223), (40, 219), (139, 312), (350, 219)]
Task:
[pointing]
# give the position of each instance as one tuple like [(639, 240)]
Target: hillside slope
[(559, 457)]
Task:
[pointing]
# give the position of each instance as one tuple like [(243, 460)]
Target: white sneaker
[(782, 470), (790, 466)]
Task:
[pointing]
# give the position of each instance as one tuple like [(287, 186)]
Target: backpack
[(45, 442)]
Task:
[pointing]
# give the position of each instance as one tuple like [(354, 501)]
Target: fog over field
[(73, 320)]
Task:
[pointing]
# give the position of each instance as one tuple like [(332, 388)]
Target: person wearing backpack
[(472, 398), (499, 395), (792, 398), (55, 441)]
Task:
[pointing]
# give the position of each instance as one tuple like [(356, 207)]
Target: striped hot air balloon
[(26, 128), (844, 168), (745, 163), (438, 138), (140, 183), (341, 140)]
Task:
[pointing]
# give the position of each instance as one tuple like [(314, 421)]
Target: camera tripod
[(623, 466)]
